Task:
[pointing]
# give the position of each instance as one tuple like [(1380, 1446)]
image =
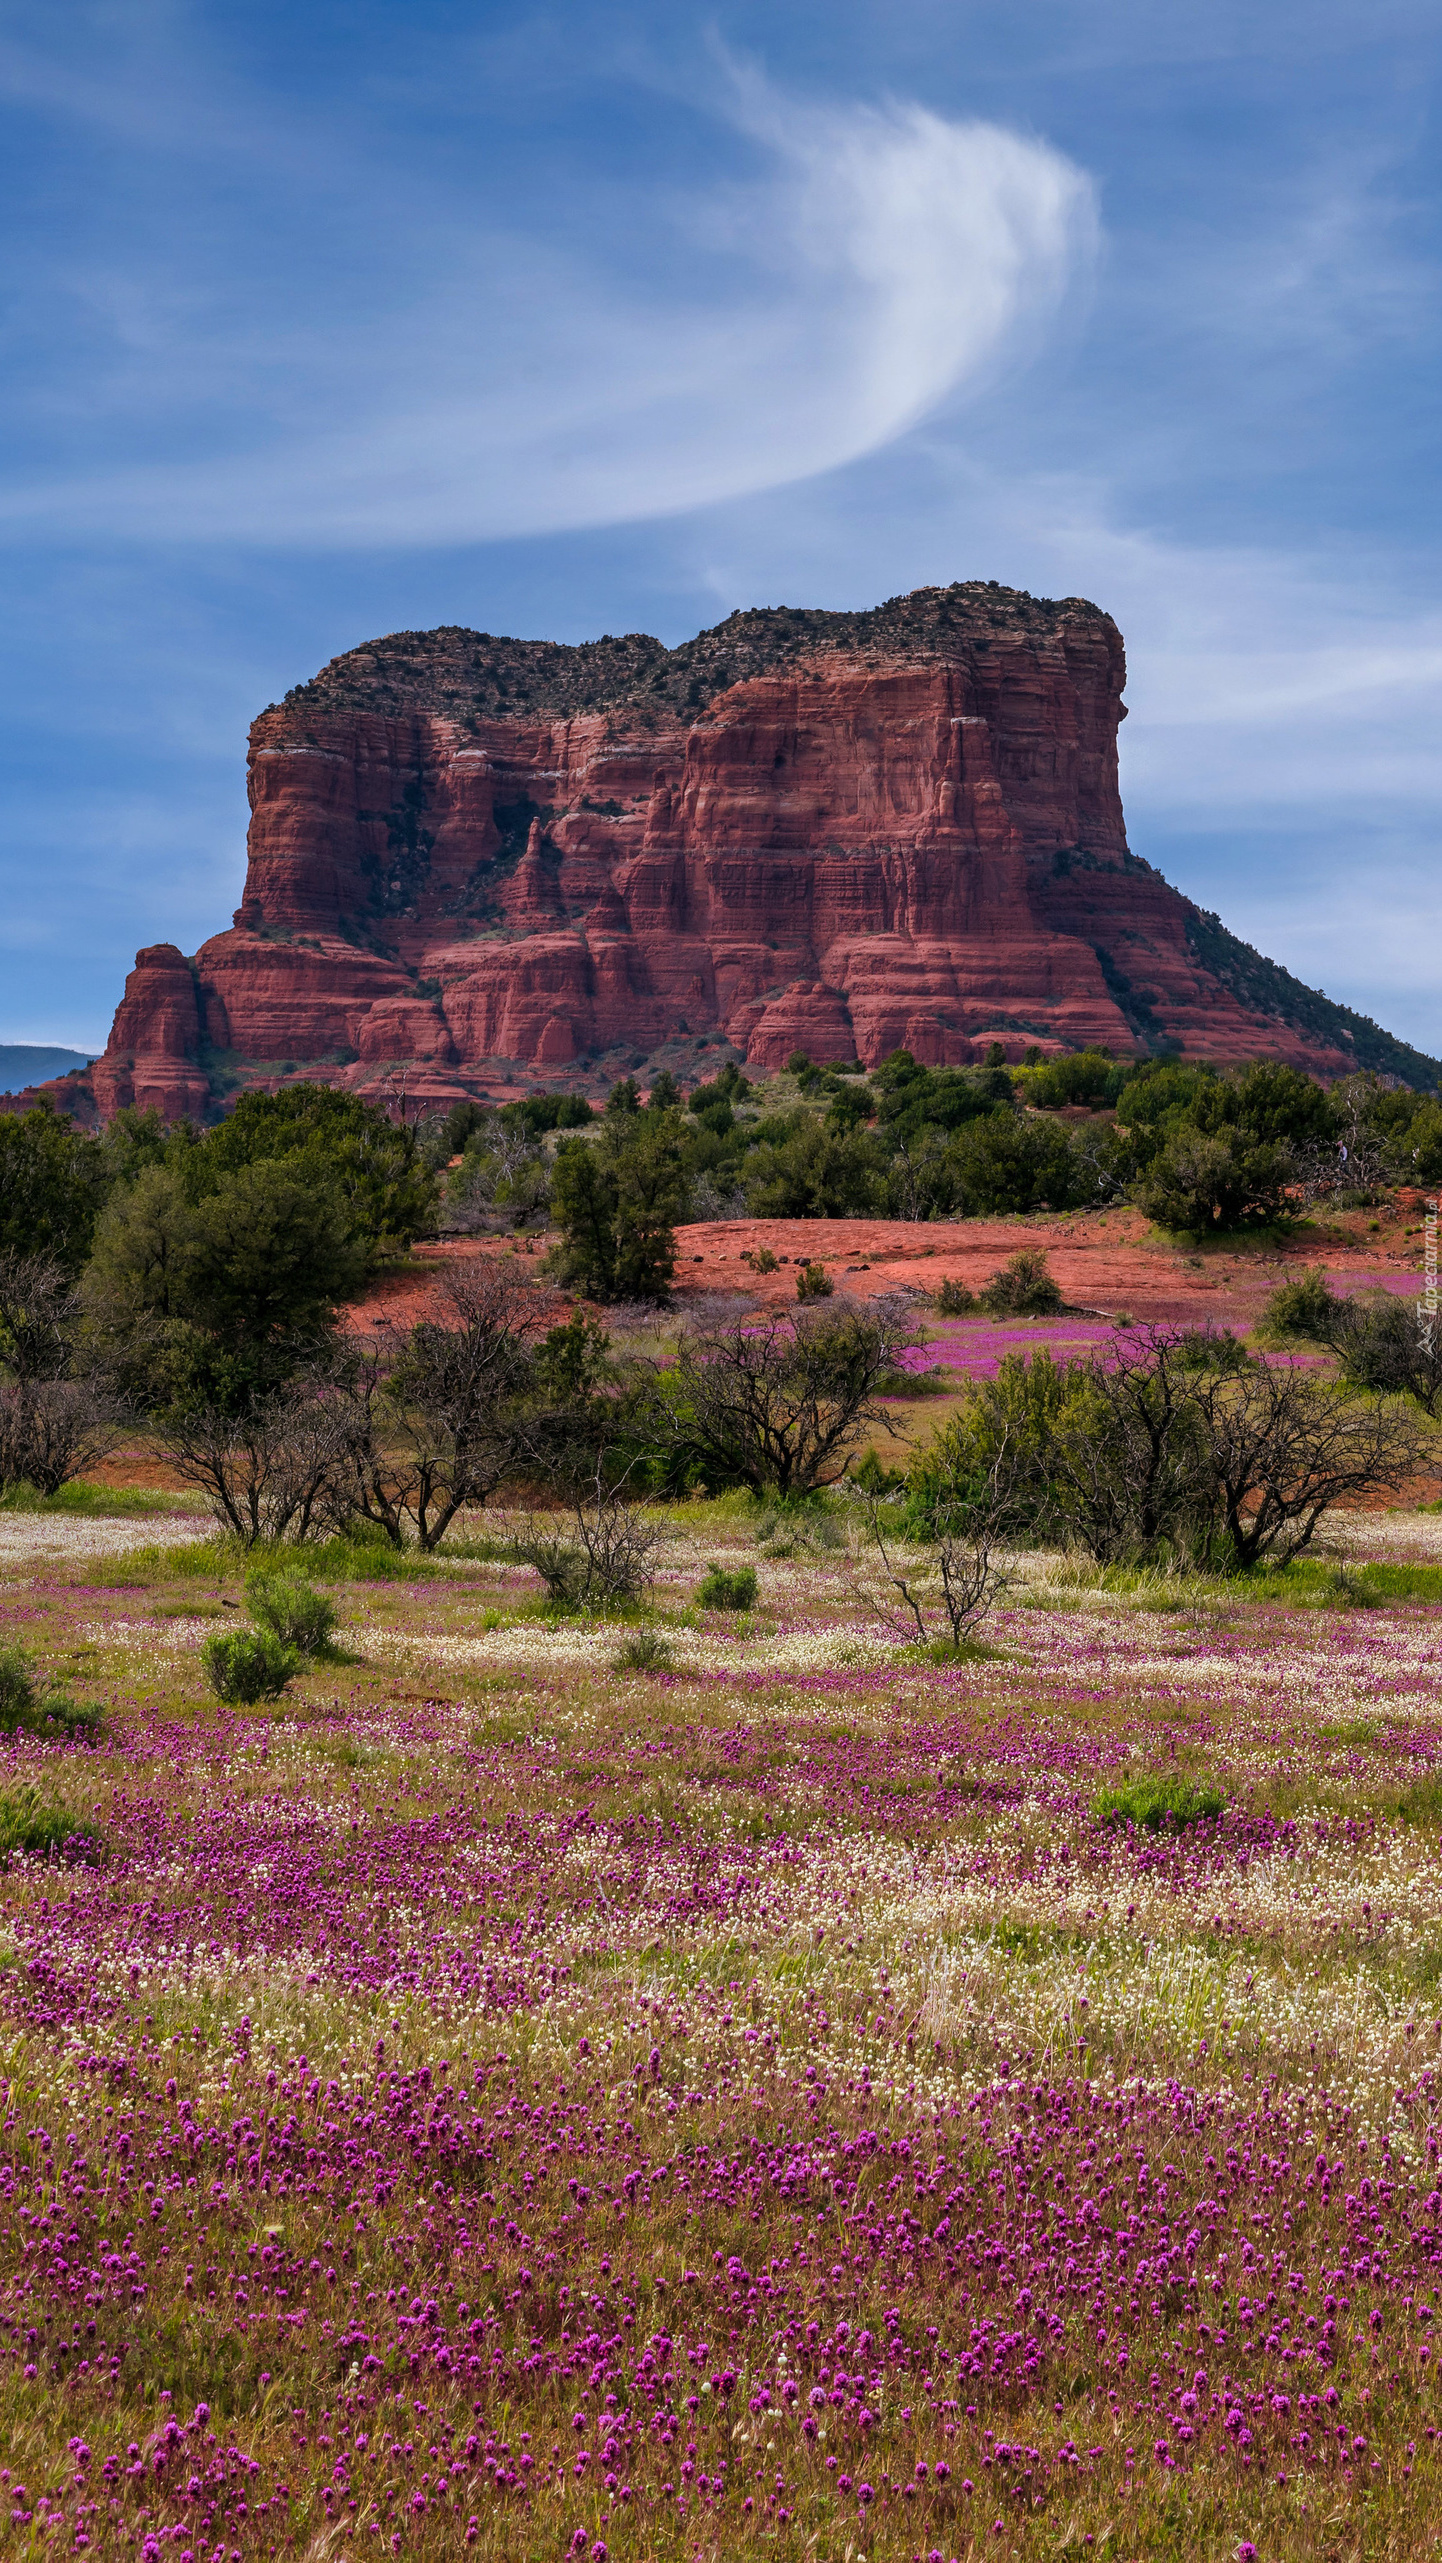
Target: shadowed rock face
[(845, 834)]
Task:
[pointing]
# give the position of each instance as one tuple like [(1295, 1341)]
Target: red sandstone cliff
[(843, 834)]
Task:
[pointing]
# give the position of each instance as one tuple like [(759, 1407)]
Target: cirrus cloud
[(880, 262)]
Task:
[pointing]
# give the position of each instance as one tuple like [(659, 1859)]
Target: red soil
[(1107, 1260)]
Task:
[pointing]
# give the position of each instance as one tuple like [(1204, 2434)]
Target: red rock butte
[(477, 862)]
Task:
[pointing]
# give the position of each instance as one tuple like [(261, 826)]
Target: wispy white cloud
[(882, 261)]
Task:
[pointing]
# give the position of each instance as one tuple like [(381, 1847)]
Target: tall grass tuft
[(1159, 1804)]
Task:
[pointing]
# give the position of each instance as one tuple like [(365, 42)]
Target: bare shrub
[(1126, 1469), (56, 1420), (39, 1316), (499, 1185), (960, 1571), (778, 1403), (600, 1550), (1283, 1451), (275, 1473), (1176, 1443), (438, 1421), (52, 1430), (1390, 1345)]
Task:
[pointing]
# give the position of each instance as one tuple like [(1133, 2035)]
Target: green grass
[(1308, 1583), (936, 1382), (91, 1503), (1315, 1582), (33, 1824), (336, 1561), (1159, 1803), (645, 1651), (1422, 1803)]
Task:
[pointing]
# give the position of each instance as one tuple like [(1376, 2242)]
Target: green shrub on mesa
[(1023, 1288)]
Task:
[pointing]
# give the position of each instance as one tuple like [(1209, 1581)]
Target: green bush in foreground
[(727, 1589), (1157, 1803), (244, 1665), (291, 1610)]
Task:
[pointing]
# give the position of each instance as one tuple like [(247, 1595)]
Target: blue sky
[(323, 321)]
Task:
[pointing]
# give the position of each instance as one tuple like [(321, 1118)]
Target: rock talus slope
[(472, 859)]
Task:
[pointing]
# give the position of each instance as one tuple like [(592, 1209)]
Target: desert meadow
[(496, 2098)]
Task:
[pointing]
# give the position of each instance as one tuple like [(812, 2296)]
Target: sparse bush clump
[(778, 1404), (954, 1299), (1159, 1804), (644, 1651), (1023, 1288), (1390, 1346), (601, 1553), (1175, 1447), (245, 1665), (814, 1282), (727, 1588)]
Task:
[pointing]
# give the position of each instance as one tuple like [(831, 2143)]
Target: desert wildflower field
[(782, 2097)]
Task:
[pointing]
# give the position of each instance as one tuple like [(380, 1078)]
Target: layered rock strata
[(473, 859)]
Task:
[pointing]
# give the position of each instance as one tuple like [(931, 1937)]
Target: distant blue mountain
[(24, 1063)]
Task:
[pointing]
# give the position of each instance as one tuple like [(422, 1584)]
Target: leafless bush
[(277, 1473), (635, 1317), (718, 1308), (1391, 1345), (1126, 1469), (960, 1568), (778, 1403), (55, 1420), (52, 1430), (1177, 1443), (438, 1421), (500, 1186), (39, 1315), (1283, 1451), (601, 1550), (710, 1200)]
